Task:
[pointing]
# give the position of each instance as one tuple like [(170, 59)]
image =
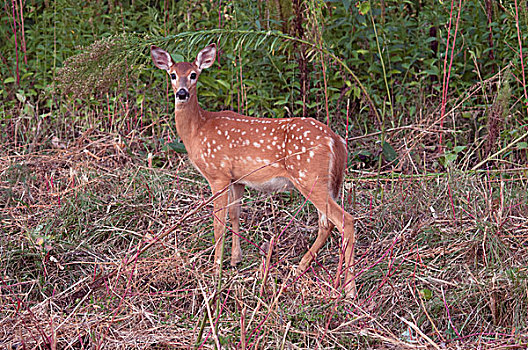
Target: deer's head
[(183, 75)]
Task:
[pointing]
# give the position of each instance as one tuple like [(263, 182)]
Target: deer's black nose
[(182, 94)]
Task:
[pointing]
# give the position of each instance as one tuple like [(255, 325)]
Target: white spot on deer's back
[(256, 144)]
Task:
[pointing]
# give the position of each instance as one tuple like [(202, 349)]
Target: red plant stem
[(520, 52), (167, 94), (445, 61), (453, 48), (220, 14), (394, 241), (445, 83), (386, 278), (13, 3), (343, 247), (489, 13), (23, 39), (109, 113), (325, 91), (324, 270)]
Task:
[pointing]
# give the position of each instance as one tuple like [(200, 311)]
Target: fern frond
[(134, 50)]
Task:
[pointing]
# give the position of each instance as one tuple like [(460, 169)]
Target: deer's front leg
[(219, 221), (235, 197)]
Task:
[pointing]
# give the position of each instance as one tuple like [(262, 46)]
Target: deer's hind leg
[(335, 217), (325, 228)]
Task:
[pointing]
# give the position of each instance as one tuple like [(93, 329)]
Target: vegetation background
[(106, 230)]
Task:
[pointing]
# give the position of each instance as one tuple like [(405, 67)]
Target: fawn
[(232, 151)]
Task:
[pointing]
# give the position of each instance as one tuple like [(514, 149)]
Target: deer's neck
[(189, 117)]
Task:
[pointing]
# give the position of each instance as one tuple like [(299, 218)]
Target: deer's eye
[(173, 76), (193, 76)]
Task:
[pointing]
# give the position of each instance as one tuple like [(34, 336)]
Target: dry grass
[(442, 259)]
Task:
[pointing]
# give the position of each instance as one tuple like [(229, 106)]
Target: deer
[(232, 151)]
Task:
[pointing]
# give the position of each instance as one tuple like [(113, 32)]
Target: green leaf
[(389, 153), (459, 149), (20, 97), (522, 145), (177, 147), (450, 157), (140, 99), (177, 58), (364, 7), (426, 293), (9, 80), (223, 83)]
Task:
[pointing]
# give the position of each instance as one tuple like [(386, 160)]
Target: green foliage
[(95, 52)]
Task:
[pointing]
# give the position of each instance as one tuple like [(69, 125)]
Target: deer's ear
[(162, 59), (206, 57)]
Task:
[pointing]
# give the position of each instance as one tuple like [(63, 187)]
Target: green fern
[(133, 49)]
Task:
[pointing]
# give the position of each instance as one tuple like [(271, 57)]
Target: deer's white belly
[(276, 184)]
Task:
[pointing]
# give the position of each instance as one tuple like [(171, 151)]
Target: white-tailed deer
[(232, 151)]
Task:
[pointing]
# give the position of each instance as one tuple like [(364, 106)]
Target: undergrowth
[(444, 254), (106, 232)]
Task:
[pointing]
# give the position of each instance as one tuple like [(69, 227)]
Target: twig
[(419, 331), (499, 152), (209, 314)]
